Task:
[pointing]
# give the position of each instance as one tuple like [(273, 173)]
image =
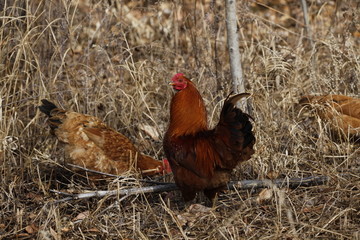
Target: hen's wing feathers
[(96, 135), (114, 144), (120, 149)]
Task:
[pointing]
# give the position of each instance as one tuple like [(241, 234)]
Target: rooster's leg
[(212, 195), (188, 195)]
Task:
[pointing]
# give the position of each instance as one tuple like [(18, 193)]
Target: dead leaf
[(150, 130), (312, 209), (22, 235), (32, 228), (265, 195), (81, 216), (65, 229), (117, 58), (184, 219), (34, 196), (77, 49), (272, 175), (198, 208), (193, 212)]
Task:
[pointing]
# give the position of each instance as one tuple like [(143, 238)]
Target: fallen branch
[(284, 182), (166, 187)]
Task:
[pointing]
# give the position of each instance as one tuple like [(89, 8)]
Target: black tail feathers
[(56, 115), (46, 107), (237, 120)]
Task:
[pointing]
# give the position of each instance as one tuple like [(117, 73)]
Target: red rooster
[(90, 143), (203, 159)]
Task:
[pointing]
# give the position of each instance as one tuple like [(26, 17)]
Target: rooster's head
[(179, 81)]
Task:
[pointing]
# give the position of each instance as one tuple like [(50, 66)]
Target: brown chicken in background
[(203, 159), (93, 145), (341, 112)]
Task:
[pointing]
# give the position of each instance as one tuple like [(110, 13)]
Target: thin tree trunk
[(234, 53), (308, 32), (306, 22)]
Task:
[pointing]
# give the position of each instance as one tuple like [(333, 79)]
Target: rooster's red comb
[(176, 76)]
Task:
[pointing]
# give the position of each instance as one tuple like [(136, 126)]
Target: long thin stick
[(284, 182), (166, 187)]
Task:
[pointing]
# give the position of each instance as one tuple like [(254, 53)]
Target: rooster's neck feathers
[(187, 112)]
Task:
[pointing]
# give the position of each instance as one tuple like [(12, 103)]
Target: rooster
[(341, 112), (90, 143), (203, 159)]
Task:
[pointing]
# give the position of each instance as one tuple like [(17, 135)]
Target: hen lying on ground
[(342, 113), (203, 159), (91, 144)]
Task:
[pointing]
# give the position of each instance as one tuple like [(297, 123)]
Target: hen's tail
[(47, 107), (55, 114)]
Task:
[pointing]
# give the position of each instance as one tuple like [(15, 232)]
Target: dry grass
[(112, 59)]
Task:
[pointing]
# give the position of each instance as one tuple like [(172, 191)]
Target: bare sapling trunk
[(306, 22), (234, 53)]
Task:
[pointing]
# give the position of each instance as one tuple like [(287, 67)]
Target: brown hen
[(90, 143), (342, 113), (203, 159)]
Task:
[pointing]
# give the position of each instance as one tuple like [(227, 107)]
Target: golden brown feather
[(90, 143)]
